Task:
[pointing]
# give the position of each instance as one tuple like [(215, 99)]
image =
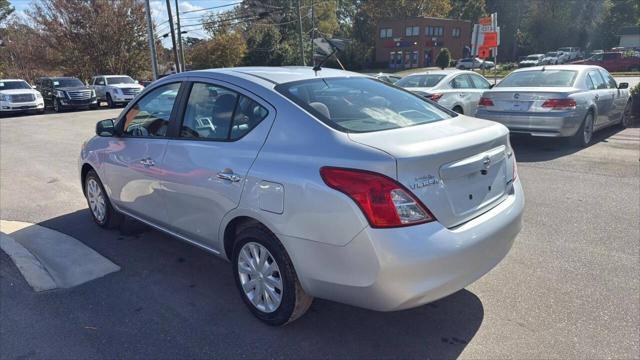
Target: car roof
[(110, 76), (275, 75), (58, 77), (444, 72), (576, 67), (7, 80)]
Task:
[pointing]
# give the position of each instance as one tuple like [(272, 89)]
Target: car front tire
[(266, 279), (100, 207), (110, 102), (57, 107)]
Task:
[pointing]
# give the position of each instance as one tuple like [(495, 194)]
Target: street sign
[(490, 39)]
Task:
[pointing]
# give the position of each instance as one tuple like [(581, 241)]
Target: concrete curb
[(45, 256)]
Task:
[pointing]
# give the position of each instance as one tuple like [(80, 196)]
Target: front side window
[(461, 82), (361, 104), (14, 85), (479, 82), (149, 117), (217, 113), (100, 81), (540, 78)]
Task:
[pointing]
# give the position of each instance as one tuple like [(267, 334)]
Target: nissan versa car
[(558, 101), (321, 183), (17, 95)]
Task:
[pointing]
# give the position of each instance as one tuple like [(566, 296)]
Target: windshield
[(534, 57), (68, 82), (546, 78), (429, 80), (13, 85), (565, 49), (361, 104), (551, 54), (120, 80)]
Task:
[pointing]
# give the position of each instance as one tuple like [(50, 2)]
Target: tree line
[(87, 37)]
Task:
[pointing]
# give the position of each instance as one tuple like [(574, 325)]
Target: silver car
[(322, 184), (558, 101), (458, 90)]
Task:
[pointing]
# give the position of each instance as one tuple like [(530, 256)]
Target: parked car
[(554, 58), (64, 93), (573, 53), (458, 90), (391, 201), (558, 101), (474, 63), (16, 95), (388, 78), (115, 89), (531, 60), (613, 61)]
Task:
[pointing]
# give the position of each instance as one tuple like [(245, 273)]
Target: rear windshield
[(539, 78), (565, 49), (120, 80), (361, 104), (429, 80), (13, 85)]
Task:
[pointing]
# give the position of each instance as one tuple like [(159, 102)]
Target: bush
[(635, 101), (443, 59), (508, 66)]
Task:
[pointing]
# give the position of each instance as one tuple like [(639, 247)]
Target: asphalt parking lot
[(569, 288)]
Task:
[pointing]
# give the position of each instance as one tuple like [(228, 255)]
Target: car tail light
[(434, 97), (384, 202), (560, 104), (485, 102)]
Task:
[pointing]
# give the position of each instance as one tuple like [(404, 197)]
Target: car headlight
[(38, 96), (93, 93), (5, 98), (60, 94)]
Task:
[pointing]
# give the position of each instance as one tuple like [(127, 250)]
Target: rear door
[(221, 131), (480, 85), (602, 96), (133, 167), (462, 94)]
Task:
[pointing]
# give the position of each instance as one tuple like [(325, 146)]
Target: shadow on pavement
[(534, 149), (173, 300)]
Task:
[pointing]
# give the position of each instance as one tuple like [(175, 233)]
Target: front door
[(602, 96), (221, 133), (133, 167)]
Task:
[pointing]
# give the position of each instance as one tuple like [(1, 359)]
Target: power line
[(213, 7)]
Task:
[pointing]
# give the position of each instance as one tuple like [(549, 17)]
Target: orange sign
[(484, 52), (486, 21), (490, 39)]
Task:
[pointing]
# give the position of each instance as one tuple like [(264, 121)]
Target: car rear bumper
[(400, 268), (550, 124)]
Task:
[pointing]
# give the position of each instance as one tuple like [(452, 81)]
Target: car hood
[(127, 86), (19, 91), (73, 88)]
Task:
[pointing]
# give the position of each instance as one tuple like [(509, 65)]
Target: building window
[(386, 33), (412, 31), (455, 32), (434, 31)]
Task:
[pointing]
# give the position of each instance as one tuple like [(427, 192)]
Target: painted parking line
[(49, 259)]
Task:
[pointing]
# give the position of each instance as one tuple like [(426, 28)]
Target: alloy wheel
[(96, 200), (260, 277), (587, 132), (626, 115)]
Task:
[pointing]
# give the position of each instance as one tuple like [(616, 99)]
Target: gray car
[(558, 101), (321, 183)]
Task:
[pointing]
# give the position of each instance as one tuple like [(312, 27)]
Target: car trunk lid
[(459, 168), (523, 100)]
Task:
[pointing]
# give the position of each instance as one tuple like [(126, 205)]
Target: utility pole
[(152, 42), (313, 33), (180, 46), (173, 37), (304, 63)]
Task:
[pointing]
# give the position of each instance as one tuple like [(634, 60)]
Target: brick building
[(416, 42)]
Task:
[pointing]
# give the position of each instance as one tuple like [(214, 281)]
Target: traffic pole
[(304, 63), (173, 37), (180, 45)]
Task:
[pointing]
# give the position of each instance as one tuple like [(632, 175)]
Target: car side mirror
[(137, 82), (623, 85), (491, 86), (106, 128)]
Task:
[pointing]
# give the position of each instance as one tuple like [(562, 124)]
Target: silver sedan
[(458, 90), (321, 183), (558, 101)]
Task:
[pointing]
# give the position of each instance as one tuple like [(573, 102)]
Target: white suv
[(16, 95), (115, 89)]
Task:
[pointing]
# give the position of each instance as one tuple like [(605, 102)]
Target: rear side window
[(429, 80), (480, 83), (361, 104), (539, 78), (461, 82), (217, 113), (609, 79), (149, 117)]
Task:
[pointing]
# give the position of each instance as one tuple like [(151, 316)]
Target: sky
[(191, 12)]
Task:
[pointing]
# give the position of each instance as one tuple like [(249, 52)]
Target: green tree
[(5, 10), (224, 50), (443, 59), (468, 9)]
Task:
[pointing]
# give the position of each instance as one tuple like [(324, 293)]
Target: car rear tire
[(266, 279), (458, 109), (584, 135), (110, 102), (99, 205), (57, 107)]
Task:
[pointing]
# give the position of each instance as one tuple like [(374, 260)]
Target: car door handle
[(227, 174), (147, 162)]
